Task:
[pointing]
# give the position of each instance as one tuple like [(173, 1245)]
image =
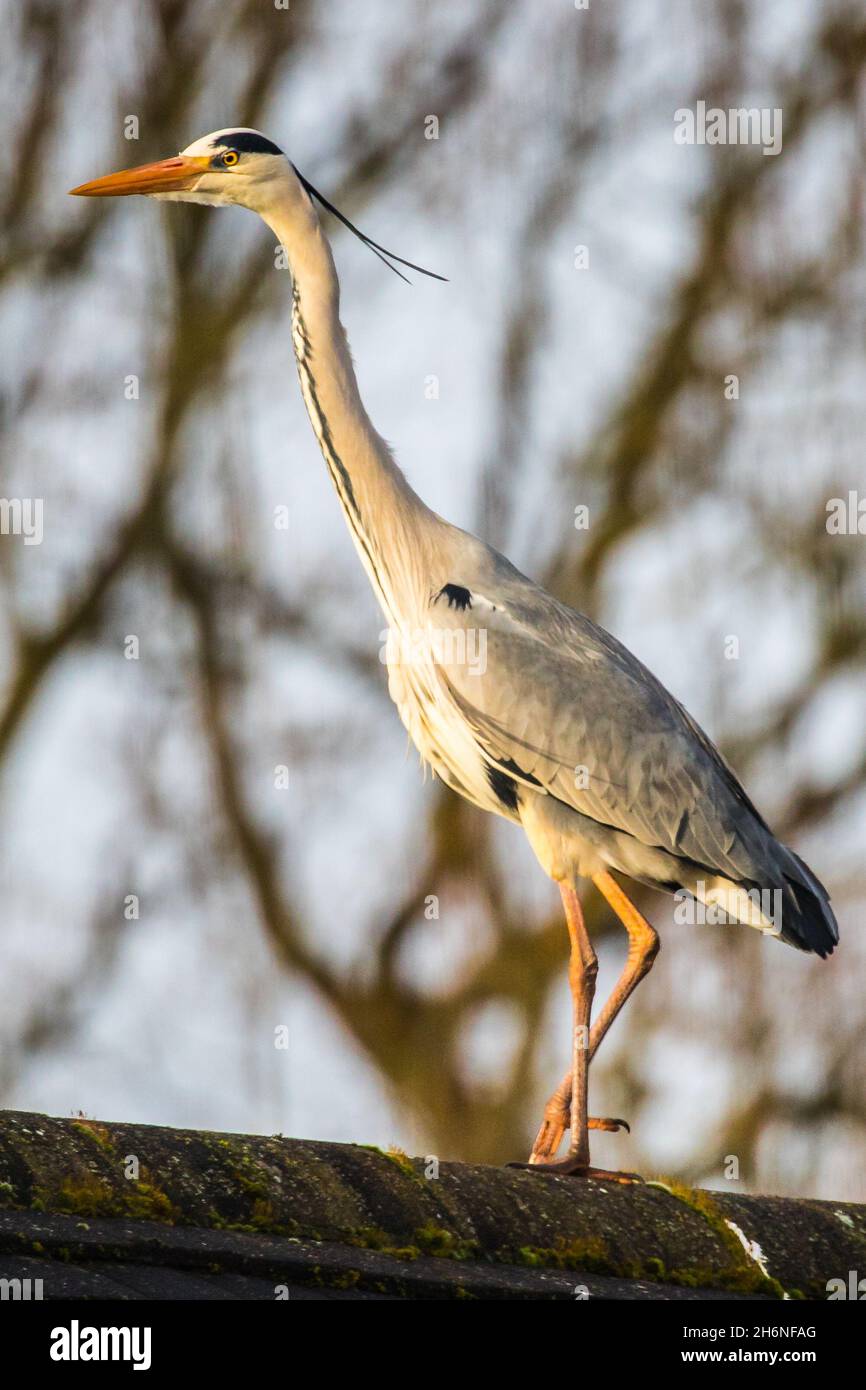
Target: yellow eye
[(229, 158)]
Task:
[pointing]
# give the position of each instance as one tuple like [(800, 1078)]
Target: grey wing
[(561, 705)]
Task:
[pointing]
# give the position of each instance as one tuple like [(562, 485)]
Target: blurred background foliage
[(410, 945)]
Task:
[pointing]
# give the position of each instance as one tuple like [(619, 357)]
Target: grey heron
[(555, 725)]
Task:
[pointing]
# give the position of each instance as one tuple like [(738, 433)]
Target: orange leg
[(643, 947), (582, 971)]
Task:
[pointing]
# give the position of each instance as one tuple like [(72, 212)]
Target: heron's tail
[(807, 917)]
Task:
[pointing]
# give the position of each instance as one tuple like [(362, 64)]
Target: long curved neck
[(388, 521)]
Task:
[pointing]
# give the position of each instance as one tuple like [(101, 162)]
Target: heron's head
[(235, 166)]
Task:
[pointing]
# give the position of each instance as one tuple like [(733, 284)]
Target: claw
[(611, 1125)]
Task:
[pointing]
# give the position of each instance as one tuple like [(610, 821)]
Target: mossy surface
[(90, 1195), (98, 1134), (359, 1196), (745, 1275), (435, 1240)]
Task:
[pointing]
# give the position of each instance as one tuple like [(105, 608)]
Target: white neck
[(390, 525)]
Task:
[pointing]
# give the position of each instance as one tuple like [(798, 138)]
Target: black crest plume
[(382, 252)]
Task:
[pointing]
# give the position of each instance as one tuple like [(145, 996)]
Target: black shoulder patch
[(503, 787), (457, 596), (511, 766), (249, 142)]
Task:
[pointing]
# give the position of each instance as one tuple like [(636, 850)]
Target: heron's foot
[(556, 1121), (549, 1137), (572, 1166)]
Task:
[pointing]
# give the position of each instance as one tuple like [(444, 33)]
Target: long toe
[(574, 1168), (611, 1125), (550, 1135)]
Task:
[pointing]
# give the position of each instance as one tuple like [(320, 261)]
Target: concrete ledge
[(346, 1220)]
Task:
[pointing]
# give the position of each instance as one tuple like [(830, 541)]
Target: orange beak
[(165, 176)]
